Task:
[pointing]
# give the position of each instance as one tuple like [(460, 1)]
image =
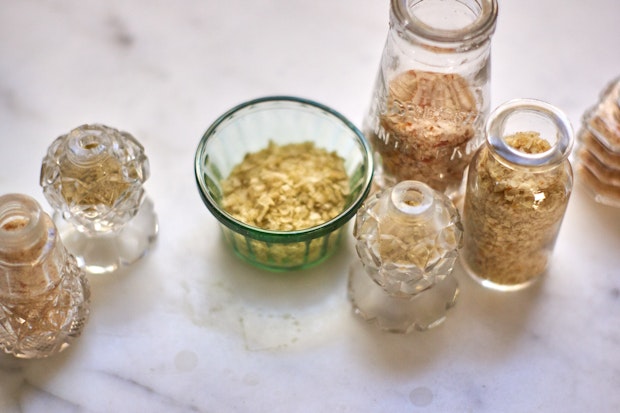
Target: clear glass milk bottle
[(518, 188), (431, 96), (44, 296)]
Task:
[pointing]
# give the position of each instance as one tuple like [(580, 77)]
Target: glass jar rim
[(558, 152), (477, 31)]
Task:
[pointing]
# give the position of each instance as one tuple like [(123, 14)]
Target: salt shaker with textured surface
[(407, 239), (44, 295), (93, 178)]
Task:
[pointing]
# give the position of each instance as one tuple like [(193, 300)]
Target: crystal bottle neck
[(31, 257), (411, 201), (23, 229)]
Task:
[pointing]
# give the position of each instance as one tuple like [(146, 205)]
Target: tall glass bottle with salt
[(431, 96), (518, 188)]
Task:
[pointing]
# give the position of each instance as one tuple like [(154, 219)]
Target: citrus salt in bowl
[(283, 175)]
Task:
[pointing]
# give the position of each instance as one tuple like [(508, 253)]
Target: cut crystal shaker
[(93, 178), (407, 239), (44, 295)]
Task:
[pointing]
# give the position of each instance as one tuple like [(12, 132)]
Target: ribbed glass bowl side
[(248, 128)]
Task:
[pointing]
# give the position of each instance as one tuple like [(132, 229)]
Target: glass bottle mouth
[(87, 144), (453, 21), (21, 227), (530, 115), (412, 198)]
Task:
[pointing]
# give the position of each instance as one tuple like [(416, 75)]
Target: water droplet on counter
[(186, 360), (421, 396), (251, 380)]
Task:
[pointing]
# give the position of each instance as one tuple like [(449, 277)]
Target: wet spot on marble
[(121, 35), (10, 100), (269, 331), (186, 360), (251, 380), (421, 396)]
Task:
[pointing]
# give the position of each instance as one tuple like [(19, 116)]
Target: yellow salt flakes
[(286, 187)]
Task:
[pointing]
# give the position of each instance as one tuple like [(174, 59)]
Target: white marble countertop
[(193, 329)]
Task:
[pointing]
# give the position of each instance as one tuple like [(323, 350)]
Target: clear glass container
[(249, 128), (431, 96), (598, 155), (519, 184), (44, 295), (93, 178), (407, 239)]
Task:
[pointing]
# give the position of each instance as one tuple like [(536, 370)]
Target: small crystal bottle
[(93, 178), (431, 96), (518, 188), (407, 239), (44, 295)]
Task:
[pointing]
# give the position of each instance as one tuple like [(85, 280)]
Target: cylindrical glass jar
[(518, 187), (44, 295), (431, 96)]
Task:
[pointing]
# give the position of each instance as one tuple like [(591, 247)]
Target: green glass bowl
[(248, 128)]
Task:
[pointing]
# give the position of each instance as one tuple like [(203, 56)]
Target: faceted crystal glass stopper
[(93, 176)]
